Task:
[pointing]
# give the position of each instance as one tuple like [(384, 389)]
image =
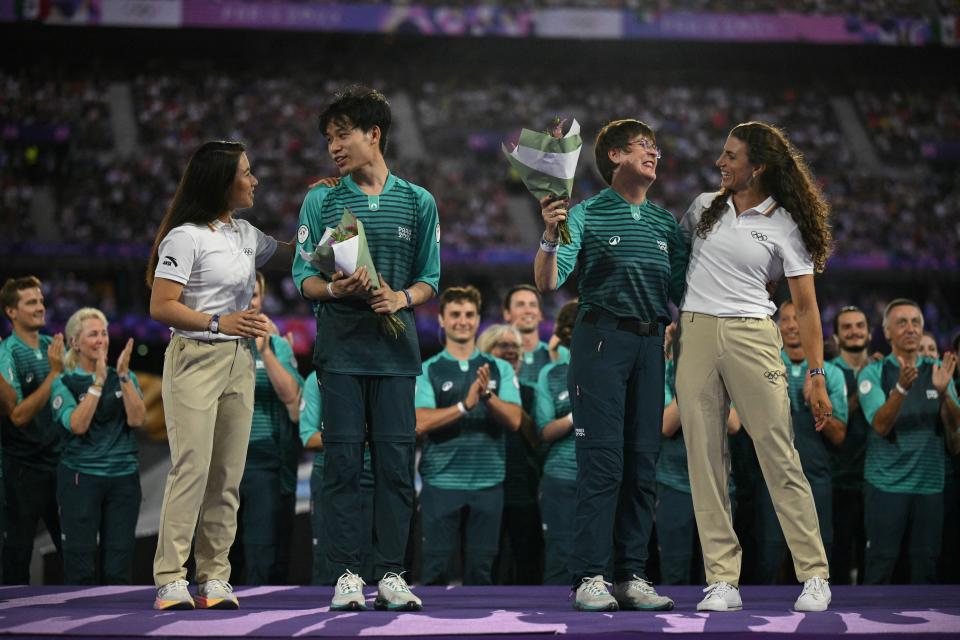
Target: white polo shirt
[(730, 269), (216, 264)]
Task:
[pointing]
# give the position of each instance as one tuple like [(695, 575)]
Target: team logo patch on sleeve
[(865, 387), (170, 261), (303, 233), (57, 402), (438, 232)]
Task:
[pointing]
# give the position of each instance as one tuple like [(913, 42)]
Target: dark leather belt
[(631, 325)]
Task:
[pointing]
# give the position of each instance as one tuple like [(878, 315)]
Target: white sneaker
[(815, 595), (174, 596), (393, 594), (216, 594), (348, 594), (592, 595), (721, 596)]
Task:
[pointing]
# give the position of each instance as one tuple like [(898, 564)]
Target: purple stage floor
[(481, 612)]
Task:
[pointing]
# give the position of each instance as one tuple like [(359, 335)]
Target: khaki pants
[(721, 359), (208, 402)]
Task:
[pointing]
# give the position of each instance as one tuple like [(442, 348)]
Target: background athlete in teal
[(632, 258), (558, 486), (815, 448), (367, 377), (911, 403), (264, 521), (466, 402), (98, 480), (30, 362)]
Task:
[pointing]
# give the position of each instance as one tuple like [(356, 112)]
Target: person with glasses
[(466, 401), (767, 221), (851, 332), (632, 258), (911, 404)]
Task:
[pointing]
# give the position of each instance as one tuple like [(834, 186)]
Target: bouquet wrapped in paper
[(547, 162), (345, 249)]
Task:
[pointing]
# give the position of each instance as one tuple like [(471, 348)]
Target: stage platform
[(894, 612)]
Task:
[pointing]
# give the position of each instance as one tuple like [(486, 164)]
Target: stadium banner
[(413, 20), (141, 13), (588, 24)]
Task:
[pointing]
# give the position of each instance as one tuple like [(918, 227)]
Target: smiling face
[(524, 312), (92, 342), (736, 170), (639, 158), (351, 148), (928, 347), (460, 321), (508, 347), (789, 327), (241, 192), (853, 333), (903, 328), (30, 313)]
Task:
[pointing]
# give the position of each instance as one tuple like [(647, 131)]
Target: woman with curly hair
[(769, 220)]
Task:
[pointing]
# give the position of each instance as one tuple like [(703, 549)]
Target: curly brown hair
[(789, 180)]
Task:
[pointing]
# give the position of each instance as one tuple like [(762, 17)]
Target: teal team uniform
[(263, 518), (816, 456), (322, 573), (632, 260), (521, 541), (98, 481), (30, 457), (367, 377), (677, 539), (904, 472), (558, 487), (463, 467), (849, 537)]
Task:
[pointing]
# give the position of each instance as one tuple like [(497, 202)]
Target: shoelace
[(350, 582), (173, 586), (596, 586), (718, 589), (223, 585), (814, 586), (396, 582), (641, 585)]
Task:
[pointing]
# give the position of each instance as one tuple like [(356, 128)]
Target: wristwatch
[(819, 371), (214, 326), (125, 378), (485, 396)]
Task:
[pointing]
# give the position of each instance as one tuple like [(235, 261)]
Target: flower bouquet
[(345, 249), (547, 161)]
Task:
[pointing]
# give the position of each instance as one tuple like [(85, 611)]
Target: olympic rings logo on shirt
[(773, 375), (756, 235)]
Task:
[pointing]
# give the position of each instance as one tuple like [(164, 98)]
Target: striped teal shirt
[(273, 433), (403, 233), (633, 258), (553, 401), (468, 454), (38, 443)]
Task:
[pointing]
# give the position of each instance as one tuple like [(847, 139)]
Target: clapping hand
[(943, 374), (123, 360)]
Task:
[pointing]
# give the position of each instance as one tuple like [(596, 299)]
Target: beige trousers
[(721, 359), (208, 402)]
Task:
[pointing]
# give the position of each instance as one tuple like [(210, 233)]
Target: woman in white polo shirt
[(202, 272), (768, 221)]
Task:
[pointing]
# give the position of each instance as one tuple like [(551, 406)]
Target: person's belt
[(631, 325)]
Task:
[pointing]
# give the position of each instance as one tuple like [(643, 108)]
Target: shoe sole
[(662, 607), (350, 606), (613, 606), (740, 608), (810, 610), (173, 605), (383, 605), (217, 603)]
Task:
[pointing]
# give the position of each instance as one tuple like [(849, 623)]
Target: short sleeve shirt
[(730, 268), (216, 264)]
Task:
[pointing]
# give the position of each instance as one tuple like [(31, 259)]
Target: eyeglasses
[(646, 145)]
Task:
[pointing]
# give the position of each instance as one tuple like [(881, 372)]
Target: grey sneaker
[(216, 594), (174, 596), (638, 594), (348, 594), (393, 594), (592, 595), (721, 596), (815, 595)]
